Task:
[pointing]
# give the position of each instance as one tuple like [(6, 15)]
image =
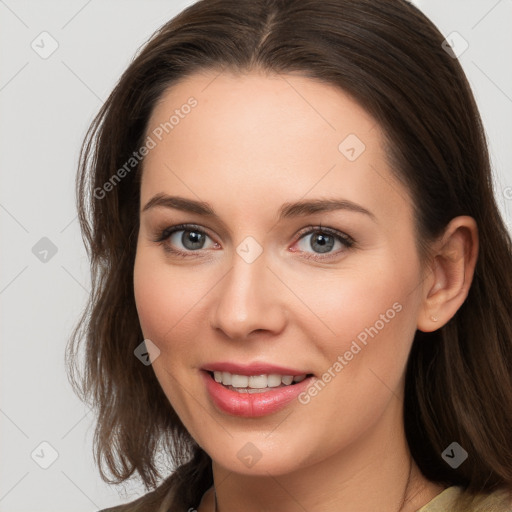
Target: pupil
[(325, 242), (194, 240)]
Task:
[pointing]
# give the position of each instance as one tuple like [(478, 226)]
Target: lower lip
[(252, 405)]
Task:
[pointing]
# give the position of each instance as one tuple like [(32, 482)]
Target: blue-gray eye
[(191, 239), (322, 242)]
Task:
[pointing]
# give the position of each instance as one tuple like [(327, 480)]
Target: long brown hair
[(389, 57)]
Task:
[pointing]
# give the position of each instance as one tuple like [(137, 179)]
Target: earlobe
[(452, 270)]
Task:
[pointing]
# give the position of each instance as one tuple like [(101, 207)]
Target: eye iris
[(192, 239), (324, 242)]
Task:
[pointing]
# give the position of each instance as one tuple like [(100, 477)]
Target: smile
[(252, 396), (255, 383)]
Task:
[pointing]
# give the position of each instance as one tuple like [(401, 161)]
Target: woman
[(291, 203)]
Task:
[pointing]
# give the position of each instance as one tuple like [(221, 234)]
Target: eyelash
[(165, 234)]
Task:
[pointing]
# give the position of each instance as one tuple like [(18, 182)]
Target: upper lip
[(256, 368)]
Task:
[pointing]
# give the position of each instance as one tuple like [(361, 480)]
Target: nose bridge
[(246, 300)]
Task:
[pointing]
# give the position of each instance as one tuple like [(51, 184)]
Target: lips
[(245, 398)]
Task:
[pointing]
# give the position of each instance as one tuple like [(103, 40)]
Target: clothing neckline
[(444, 498)]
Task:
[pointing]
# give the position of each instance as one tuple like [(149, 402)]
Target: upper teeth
[(255, 381)]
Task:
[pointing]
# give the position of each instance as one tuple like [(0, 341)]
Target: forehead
[(253, 109), (267, 137)]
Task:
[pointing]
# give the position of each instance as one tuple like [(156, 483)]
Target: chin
[(256, 456)]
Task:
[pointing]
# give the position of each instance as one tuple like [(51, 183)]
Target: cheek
[(155, 299), (372, 315), (381, 322), (347, 303), (168, 298), (165, 301)]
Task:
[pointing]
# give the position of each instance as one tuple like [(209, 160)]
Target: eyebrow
[(287, 210)]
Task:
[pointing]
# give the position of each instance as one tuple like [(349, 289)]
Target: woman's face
[(257, 287)]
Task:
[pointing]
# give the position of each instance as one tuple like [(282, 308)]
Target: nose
[(248, 299)]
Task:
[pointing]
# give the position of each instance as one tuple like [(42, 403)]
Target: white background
[(46, 106)]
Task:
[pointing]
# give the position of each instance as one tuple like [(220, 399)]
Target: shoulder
[(455, 499), (158, 500), (138, 505), (499, 500)]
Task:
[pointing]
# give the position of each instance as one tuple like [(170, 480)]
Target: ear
[(451, 273)]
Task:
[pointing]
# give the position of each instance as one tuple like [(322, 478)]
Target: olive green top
[(497, 501)]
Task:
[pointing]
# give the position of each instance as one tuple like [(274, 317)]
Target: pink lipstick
[(253, 390)]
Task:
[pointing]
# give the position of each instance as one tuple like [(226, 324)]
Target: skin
[(252, 143)]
